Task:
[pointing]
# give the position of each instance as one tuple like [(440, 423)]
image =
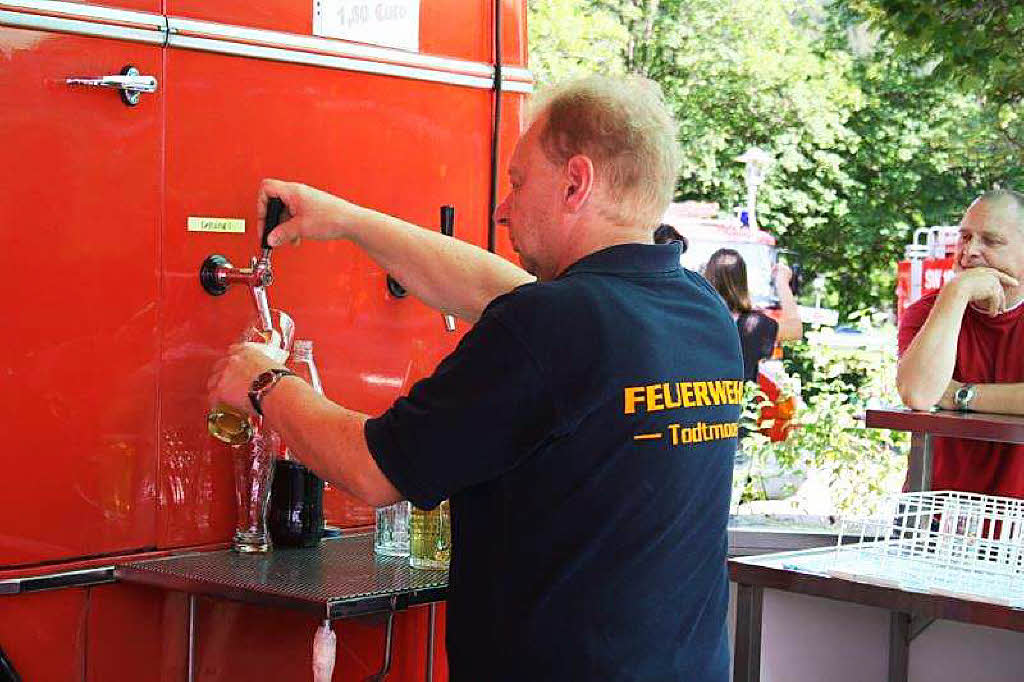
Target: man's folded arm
[(926, 365), (997, 398)]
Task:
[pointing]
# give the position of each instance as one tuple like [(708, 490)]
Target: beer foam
[(272, 350)]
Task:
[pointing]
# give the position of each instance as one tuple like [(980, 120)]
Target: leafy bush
[(862, 466)]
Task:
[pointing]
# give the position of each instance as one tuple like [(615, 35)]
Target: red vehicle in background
[(706, 233), (927, 265)]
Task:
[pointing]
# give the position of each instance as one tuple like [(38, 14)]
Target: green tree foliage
[(976, 46), (979, 44), (570, 38), (869, 145)]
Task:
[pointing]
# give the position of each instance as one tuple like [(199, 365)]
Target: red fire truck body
[(927, 265), (112, 208)]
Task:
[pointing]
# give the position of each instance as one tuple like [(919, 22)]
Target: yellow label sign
[(235, 225)]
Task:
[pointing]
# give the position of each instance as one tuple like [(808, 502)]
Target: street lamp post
[(757, 163)]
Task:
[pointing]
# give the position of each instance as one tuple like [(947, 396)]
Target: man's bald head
[(992, 236), (1003, 204)]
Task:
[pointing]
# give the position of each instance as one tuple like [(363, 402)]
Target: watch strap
[(263, 384)]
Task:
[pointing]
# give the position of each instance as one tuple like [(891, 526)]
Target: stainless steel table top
[(339, 578)]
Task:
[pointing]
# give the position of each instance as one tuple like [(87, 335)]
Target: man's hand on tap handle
[(232, 376), (309, 213)]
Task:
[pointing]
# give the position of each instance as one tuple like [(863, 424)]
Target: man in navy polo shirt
[(584, 428)]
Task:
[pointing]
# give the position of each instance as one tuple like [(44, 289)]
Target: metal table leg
[(747, 650), (899, 646), (431, 624), (190, 669), (903, 629), (919, 462), (385, 667)]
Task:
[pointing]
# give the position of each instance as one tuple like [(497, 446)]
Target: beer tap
[(217, 273), (448, 230)]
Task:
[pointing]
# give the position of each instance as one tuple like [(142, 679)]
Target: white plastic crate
[(942, 542)]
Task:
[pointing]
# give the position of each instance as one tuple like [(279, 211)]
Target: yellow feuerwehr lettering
[(654, 398), (717, 391), (686, 393), (634, 395), (671, 403), (700, 392)]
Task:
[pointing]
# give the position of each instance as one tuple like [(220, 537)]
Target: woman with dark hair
[(727, 273), (666, 234)]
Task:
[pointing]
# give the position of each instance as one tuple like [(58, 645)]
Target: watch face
[(262, 381)]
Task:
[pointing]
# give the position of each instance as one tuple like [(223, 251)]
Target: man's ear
[(579, 174)]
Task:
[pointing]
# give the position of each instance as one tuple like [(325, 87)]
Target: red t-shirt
[(990, 350)]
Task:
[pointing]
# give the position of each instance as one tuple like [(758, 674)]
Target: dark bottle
[(296, 516)]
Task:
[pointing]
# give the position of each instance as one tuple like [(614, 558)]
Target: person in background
[(583, 428), (727, 273), (666, 234), (963, 347)]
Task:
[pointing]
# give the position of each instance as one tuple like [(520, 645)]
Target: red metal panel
[(153, 6), (402, 146), (44, 634), (242, 642), (78, 260), (513, 120), (136, 634), (448, 28)]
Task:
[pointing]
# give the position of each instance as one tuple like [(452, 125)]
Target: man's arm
[(926, 368), (328, 439), (324, 436), (445, 273), (997, 398), (790, 326)]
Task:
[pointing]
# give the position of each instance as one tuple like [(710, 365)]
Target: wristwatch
[(263, 384), (963, 396)]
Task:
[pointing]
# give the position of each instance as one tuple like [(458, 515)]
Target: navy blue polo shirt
[(584, 430)]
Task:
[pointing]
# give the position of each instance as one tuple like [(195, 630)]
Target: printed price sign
[(391, 23)]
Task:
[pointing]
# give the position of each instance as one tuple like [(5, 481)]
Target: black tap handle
[(274, 209), (448, 220), (7, 671)]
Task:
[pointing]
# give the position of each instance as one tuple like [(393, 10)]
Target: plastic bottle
[(296, 517)]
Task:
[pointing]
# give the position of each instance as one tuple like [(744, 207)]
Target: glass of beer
[(430, 538), (235, 427)]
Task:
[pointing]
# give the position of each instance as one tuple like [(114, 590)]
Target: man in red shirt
[(963, 348)]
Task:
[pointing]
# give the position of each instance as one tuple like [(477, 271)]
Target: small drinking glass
[(254, 471), (391, 536)]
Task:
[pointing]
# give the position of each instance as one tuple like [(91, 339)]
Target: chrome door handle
[(130, 82)]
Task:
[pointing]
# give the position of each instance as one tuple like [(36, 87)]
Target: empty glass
[(391, 536), (254, 471)]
